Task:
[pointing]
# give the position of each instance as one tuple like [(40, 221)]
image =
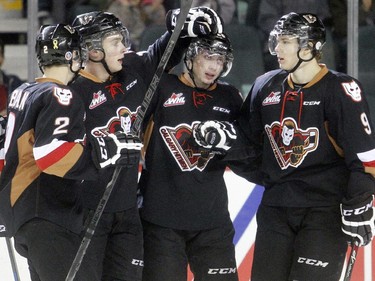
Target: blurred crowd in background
[(261, 15)]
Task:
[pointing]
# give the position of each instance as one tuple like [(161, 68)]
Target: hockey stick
[(351, 261), (184, 10), (12, 258)]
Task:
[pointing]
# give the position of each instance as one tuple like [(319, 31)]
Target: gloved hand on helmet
[(200, 21)]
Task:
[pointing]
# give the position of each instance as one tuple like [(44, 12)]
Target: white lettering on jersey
[(137, 262), (97, 99), (18, 99), (174, 100), (352, 90), (131, 84), (311, 102), (273, 98), (221, 109)]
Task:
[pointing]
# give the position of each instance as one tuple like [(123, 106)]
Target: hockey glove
[(215, 135), (201, 21), (358, 221), (118, 149)]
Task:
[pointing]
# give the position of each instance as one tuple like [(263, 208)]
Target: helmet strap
[(300, 60), (191, 75), (103, 62)]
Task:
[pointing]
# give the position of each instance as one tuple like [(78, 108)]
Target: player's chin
[(284, 66), (116, 68), (209, 79)]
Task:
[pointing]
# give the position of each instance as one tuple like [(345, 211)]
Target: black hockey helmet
[(216, 44), (306, 27), (58, 44), (95, 26)]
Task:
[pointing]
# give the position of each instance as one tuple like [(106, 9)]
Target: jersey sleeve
[(350, 124), (152, 56), (59, 147)]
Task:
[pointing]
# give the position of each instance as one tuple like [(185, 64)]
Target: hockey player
[(185, 211), (46, 159), (113, 85), (313, 128)]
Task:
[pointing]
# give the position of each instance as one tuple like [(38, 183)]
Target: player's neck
[(306, 72), (98, 70), (60, 73)]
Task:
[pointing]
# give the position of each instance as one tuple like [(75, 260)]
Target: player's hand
[(358, 221), (118, 149), (215, 135), (200, 21)]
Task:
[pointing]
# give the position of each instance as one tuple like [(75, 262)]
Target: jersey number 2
[(61, 123)]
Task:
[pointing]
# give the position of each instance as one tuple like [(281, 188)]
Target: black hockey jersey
[(112, 106), (44, 156), (182, 183), (317, 141)]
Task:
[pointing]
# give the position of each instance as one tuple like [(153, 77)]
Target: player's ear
[(96, 54), (307, 51), (189, 64)]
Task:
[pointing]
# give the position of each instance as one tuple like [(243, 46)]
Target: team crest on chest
[(175, 100), (291, 144), (352, 90), (121, 122), (185, 151)]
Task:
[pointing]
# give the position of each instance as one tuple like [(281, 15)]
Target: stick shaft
[(351, 261), (184, 10), (12, 258)]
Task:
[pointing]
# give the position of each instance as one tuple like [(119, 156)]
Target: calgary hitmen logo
[(122, 121), (186, 152), (291, 144)]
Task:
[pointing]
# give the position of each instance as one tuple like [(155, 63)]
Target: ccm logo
[(312, 262), (221, 270), (311, 102), (221, 109), (357, 211), (137, 262)]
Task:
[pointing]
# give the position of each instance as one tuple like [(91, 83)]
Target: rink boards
[(244, 198)]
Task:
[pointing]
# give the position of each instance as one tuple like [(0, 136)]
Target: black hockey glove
[(118, 149), (3, 125), (358, 221), (201, 21), (215, 135)]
